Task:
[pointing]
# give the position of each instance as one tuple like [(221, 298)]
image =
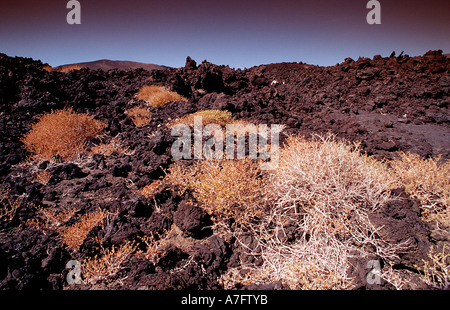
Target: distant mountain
[(106, 64)]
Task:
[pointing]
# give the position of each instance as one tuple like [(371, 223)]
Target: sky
[(240, 34)]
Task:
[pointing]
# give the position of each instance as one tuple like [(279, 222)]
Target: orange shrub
[(219, 117), (105, 267), (150, 190), (8, 205), (61, 133), (107, 149), (74, 236), (140, 116), (69, 68), (158, 95)]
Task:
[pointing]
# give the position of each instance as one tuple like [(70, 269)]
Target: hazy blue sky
[(237, 33)]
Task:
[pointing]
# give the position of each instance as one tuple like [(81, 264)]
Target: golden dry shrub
[(107, 149), (43, 177), (219, 117), (140, 116), (74, 236), (68, 68), (51, 219), (150, 190), (48, 68), (436, 269), (157, 96), (428, 181), (62, 133), (104, 267), (9, 205), (226, 189), (154, 244)]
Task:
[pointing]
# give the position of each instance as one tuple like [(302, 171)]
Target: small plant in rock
[(226, 189), (208, 117), (9, 205), (150, 190), (157, 96), (51, 219), (74, 236), (140, 116), (154, 247), (105, 266), (428, 181), (436, 270)]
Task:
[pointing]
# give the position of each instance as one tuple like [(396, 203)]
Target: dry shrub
[(48, 68), (150, 190), (428, 181), (108, 264), (436, 270), (43, 177), (49, 219), (226, 189), (325, 189), (62, 134), (219, 117), (140, 116), (63, 69), (154, 247), (208, 117), (298, 275), (68, 68), (9, 205), (74, 236), (107, 149), (157, 96)]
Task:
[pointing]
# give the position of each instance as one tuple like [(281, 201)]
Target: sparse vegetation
[(63, 69), (154, 247), (226, 189), (74, 236), (436, 270), (106, 265), (68, 68), (51, 219), (61, 134), (9, 205), (140, 116), (150, 190), (321, 215), (208, 117), (43, 177), (428, 181), (157, 96), (107, 149)]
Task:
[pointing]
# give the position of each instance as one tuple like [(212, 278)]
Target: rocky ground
[(388, 104)]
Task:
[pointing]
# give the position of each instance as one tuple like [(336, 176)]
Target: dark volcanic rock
[(192, 220)]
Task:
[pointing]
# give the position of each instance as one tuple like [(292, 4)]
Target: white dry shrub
[(325, 189)]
